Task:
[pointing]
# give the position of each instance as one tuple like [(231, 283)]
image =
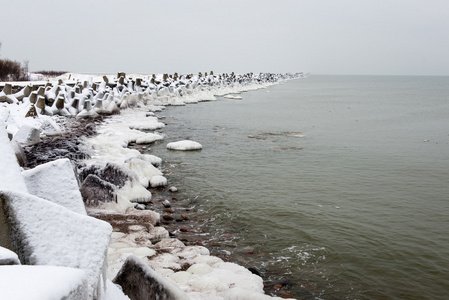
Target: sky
[(377, 37)]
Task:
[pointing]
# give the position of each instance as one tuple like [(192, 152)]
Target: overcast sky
[(391, 37)]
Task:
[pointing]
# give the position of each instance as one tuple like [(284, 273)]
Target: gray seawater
[(340, 184)]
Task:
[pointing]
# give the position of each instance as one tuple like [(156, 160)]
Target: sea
[(335, 187)]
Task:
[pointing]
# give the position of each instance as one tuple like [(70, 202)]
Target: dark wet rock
[(254, 271), (168, 218), (139, 281), (67, 145), (116, 174), (95, 191), (86, 171)]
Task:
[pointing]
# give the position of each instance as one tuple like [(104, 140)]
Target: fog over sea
[(339, 185)]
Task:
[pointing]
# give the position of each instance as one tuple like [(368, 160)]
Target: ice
[(184, 145), (158, 181), (56, 181), (42, 282), (7, 257), (233, 97), (10, 175), (148, 138), (44, 233), (154, 160), (200, 269), (144, 170), (133, 193)]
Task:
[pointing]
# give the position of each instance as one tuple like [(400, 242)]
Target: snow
[(56, 181), (184, 145), (42, 282), (49, 234), (144, 170), (113, 292), (10, 176), (8, 257)]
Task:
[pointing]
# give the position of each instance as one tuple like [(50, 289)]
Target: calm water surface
[(339, 184)]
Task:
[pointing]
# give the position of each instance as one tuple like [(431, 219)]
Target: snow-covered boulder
[(56, 181), (139, 281), (44, 233), (184, 145), (28, 135), (42, 282)]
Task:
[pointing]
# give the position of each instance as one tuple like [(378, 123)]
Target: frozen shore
[(116, 181)]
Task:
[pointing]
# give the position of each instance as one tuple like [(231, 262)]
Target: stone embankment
[(85, 203)]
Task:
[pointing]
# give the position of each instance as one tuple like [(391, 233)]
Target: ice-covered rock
[(8, 257), (133, 192), (56, 181), (184, 145), (157, 234), (96, 191), (158, 181), (149, 138), (144, 170), (44, 233), (233, 97), (43, 282), (139, 281)]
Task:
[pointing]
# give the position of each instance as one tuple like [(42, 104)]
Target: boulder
[(43, 282), (139, 281), (56, 181), (28, 135), (158, 181), (96, 191), (44, 233)]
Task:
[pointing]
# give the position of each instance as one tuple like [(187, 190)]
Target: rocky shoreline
[(125, 187)]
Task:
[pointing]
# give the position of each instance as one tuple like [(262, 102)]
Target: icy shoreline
[(136, 231)]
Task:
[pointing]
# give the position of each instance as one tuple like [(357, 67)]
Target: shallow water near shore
[(338, 185)]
